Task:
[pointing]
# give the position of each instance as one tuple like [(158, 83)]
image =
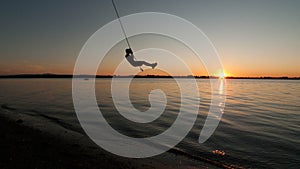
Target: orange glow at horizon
[(229, 72)]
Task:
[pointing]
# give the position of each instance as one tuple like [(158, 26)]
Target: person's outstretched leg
[(153, 65)]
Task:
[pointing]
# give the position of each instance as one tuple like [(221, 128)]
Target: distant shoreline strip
[(136, 76)]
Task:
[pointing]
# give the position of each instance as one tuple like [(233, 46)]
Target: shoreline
[(27, 142)]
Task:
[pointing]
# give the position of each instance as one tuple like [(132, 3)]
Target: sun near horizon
[(223, 74)]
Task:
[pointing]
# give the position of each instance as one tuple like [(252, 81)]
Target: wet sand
[(27, 142)]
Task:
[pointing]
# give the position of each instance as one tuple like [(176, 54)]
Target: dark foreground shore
[(30, 143)]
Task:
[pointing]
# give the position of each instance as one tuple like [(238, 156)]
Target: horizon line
[(53, 75)]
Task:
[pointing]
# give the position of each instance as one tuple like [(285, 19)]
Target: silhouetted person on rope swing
[(130, 58)]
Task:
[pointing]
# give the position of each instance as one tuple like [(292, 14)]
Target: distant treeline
[(137, 76)]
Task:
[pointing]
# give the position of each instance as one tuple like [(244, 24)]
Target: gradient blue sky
[(253, 38)]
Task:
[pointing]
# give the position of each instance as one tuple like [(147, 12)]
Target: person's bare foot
[(154, 65)]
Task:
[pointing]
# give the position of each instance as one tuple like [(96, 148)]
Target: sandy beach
[(27, 142)]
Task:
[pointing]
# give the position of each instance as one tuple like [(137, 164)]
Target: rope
[(122, 27), (120, 22)]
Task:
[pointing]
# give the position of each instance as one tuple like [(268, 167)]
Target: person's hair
[(128, 51)]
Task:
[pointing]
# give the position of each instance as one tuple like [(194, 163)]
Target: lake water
[(260, 127)]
